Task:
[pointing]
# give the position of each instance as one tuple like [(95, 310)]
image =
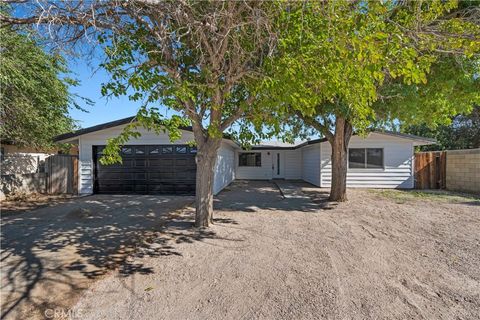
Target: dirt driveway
[(383, 255), (51, 254)]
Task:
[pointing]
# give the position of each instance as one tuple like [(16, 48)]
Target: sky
[(105, 109)]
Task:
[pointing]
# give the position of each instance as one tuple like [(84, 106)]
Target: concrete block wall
[(463, 170)]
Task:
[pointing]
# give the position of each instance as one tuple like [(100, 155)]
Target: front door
[(277, 165)]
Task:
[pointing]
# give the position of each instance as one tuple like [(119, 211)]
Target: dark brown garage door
[(147, 169)]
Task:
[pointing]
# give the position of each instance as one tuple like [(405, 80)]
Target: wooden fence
[(62, 174), (430, 170)]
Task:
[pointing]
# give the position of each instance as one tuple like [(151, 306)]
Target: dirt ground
[(382, 255), (25, 203), (51, 254)]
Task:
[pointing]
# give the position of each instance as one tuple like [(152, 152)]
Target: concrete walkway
[(293, 189)]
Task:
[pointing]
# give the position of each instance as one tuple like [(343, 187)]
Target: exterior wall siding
[(398, 164), (255, 173), (293, 164), (224, 168), (311, 164)]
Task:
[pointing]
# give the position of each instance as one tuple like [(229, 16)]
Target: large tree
[(462, 133), (34, 92), (202, 59), (337, 59)]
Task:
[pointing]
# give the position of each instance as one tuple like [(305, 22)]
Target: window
[(167, 149), (181, 149), (365, 158), (139, 150), (193, 149), (375, 158), (127, 150), (250, 159), (154, 150)]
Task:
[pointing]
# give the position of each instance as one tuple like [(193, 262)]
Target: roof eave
[(72, 136)]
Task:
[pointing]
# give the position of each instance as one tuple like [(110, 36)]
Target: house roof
[(407, 136), (285, 146), (106, 125), (271, 145)]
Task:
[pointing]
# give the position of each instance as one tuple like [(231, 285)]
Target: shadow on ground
[(51, 254), (253, 196)]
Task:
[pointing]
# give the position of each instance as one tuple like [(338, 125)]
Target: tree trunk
[(205, 159), (339, 143)]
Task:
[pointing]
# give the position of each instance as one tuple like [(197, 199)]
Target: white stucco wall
[(398, 163)]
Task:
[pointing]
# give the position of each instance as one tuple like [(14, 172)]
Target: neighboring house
[(152, 164)]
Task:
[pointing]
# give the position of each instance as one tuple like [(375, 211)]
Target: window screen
[(250, 159)]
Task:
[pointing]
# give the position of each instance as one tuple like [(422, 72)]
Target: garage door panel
[(140, 163), (126, 163), (109, 175), (141, 176), (148, 169), (110, 188), (140, 188), (159, 162), (159, 176)]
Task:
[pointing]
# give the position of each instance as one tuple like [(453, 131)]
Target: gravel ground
[(374, 257), (50, 255)]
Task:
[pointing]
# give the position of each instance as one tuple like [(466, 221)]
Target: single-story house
[(154, 165)]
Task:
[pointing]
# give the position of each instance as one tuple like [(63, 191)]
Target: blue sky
[(105, 109)]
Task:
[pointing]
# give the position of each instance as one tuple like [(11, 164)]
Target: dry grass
[(403, 196)]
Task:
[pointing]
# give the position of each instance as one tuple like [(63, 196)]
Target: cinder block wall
[(463, 170)]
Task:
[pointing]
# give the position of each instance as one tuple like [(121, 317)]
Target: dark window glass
[(356, 158), (100, 151), (181, 149), (251, 159), (167, 149), (154, 150), (278, 163), (193, 149), (127, 150), (375, 158), (370, 158), (139, 150)]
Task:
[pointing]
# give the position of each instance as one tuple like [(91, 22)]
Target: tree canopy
[(202, 59), (463, 132), (343, 65), (342, 57), (34, 92)]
